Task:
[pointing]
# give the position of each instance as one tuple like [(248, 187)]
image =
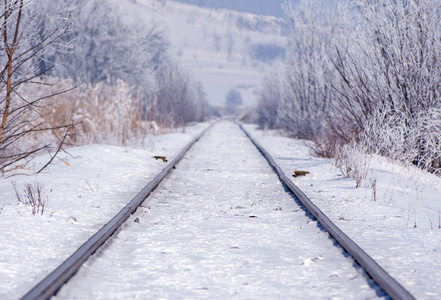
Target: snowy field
[(80, 198), (217, 45), (101, 179), (220, 227), (400, 229)]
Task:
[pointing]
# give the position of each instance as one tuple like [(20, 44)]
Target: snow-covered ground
[(100, 179), (220, 227), (80, 198), (217, 44), (400, 229)]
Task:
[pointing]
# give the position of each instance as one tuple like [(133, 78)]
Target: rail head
[(47, 287), (392, 287), (52, 282)]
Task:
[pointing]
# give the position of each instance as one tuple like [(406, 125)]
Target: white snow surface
[(81, 198), (400, 229), (221, 227), (216, 44), (195, 237)]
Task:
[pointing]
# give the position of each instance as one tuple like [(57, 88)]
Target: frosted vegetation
[(86, 71), (360, 77)]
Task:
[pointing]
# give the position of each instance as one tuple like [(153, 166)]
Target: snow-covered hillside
[(261, 7), (224, 49)]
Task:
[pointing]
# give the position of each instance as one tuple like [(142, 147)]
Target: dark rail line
[(380, 276), (49, 285)]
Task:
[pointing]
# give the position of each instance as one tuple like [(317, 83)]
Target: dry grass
[(84, 115), (33, 196), (103, 114)]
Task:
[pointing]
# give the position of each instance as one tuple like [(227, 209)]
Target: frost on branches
[(365, 73), (27, 34)]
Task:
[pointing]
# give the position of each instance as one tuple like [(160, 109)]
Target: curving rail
[(380, 276)]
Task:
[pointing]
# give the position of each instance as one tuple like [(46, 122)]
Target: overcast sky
[(266, 7)]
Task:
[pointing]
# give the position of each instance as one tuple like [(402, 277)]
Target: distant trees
[(269, 99), (119, 62), (365, 72), (113, 41), (108, 45), (232, 101), (267, 52), (179, 100)]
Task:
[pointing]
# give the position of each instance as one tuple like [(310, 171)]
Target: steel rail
[(53, 282), (379, 275)]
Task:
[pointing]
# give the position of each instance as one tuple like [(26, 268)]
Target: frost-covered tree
[(234, 98), (112, 41), (203, 107), (391, 75), (232, 101), (177, 100), (306, 95), (27, 34), (269, 99)]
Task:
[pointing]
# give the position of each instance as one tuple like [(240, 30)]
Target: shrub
[(33, 196)]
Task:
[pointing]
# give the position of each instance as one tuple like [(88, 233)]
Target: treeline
[(87, 71), (362, 77)]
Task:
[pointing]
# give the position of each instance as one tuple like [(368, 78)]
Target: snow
[(80, 198), (384, 227), (222, 226), (195, 237), (216, 46), (265, 7)]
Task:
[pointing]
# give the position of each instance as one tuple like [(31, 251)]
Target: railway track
[(234, 214)]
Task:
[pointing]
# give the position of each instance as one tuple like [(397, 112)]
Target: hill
[(224, 49), (262, 7)]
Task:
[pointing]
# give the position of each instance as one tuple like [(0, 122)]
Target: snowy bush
[(414, 140), (353, 161), (269, 99), (33, 196), (103, 113), (362, 72), (394, 61)]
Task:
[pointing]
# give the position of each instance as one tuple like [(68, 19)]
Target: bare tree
[(177, 98), (270, 98), (306, 94), (26, 34)]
